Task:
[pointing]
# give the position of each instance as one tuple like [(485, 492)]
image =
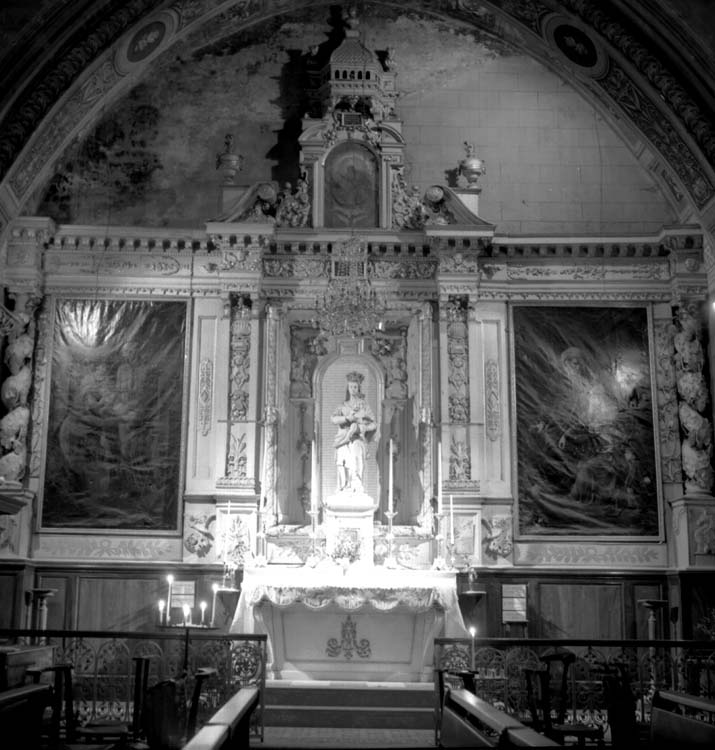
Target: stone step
[(338, 716), (345, 704)]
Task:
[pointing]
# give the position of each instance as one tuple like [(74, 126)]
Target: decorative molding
[(205, 391), (590, 553), (90, 547), (492, 401), (240, 360)]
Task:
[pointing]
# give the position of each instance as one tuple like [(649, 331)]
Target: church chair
[(167, 721), (548, 707), (621, 706), (61, 723), (118, 732)]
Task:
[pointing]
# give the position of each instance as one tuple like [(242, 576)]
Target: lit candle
[(451, 520), (214, 588), (473, 633), (187, 614), (203, 613), (170, 581), (162, 604), (390, 482), (439, 477)]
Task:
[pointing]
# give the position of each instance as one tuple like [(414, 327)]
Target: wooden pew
[(229, 728), (682, 721), (21, 711), (469, 721)]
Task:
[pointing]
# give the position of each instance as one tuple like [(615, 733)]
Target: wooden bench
[(469, 721), (21, 711), (682, 721), (230, 727)]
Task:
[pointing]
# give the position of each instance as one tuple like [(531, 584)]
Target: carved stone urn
[(471, 168), (228, 162)]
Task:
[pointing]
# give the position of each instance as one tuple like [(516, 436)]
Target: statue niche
[(352, 195), (351, 392)]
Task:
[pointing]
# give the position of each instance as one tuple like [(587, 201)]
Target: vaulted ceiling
[(647, 67)]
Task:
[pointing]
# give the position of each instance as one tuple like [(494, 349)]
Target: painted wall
[(552, 165)]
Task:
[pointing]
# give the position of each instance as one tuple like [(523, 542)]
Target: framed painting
[(586, 459), (113, 453)]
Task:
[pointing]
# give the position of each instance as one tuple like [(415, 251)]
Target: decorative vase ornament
[(228, 162), (471, 167)]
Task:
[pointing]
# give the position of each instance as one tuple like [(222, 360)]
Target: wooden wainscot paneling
[(118, 603), (582, 610)]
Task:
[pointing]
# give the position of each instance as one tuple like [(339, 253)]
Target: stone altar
[(369, 625)]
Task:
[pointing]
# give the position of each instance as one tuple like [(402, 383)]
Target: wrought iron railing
[(500, 664), (103, 666)]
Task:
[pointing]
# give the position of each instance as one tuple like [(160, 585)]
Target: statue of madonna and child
[(356, 425)]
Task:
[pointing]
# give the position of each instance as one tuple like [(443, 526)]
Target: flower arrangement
[(346, 548)]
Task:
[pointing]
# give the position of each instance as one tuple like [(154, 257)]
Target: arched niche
[(331, 392)]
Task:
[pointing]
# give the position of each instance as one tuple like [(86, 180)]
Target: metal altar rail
[(682, 666), (103, 666)]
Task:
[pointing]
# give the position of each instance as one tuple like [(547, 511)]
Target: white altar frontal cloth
[(366, 624)]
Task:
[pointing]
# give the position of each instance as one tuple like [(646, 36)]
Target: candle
[(203, 613), (187, 614), (390, 482), (451, 520), (313, 477), (473, 633), (170, 581), (162, 604), (214, 588), (439, 477)]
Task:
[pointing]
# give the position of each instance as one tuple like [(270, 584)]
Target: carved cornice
[(407, 267)]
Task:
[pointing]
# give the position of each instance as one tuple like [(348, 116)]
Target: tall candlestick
[(390, 482), (473, 633), (214, 588), (451, 520), (162, 605), (202, 607), (439, 477), (313, 477), (170, 581), (187, 614)]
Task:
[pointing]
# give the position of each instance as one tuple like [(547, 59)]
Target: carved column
[(239, 469), (694, 512), (426, 414), (269, 504), (23, 279)]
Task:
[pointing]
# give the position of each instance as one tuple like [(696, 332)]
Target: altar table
[(370, 624)]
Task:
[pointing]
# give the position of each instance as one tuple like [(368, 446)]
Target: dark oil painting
[(114, 434), (584, 422)]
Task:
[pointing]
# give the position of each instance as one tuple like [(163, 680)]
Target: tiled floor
[(279, 737)]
